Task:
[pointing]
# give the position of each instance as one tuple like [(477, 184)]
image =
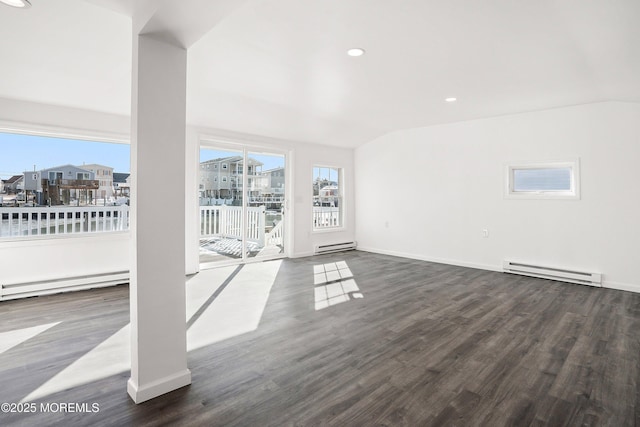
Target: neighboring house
[(13, 185), (122, 184), (104, 175), (275, 181), (61, 185), (222, 178), (272, 183)]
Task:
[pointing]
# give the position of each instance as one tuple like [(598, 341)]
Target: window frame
[(71, 133), (341, 198), (572, 194)]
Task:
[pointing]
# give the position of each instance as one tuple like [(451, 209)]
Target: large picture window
[(543, 180), (327, 198), (53, 186)]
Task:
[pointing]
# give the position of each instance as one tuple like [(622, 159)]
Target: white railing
[(38, 221), (266, 199), (226, 221), (325, 217), (274, 237)]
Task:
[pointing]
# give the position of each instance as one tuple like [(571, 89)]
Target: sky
[(20, 153)]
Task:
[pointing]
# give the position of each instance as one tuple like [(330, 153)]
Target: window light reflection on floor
[(236, 310), (334, 284)]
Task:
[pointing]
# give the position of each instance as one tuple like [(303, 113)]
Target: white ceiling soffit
[(66, 52), (125, 7), (279, 68), (184, 22)]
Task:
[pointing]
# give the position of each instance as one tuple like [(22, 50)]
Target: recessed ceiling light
[(356, 51), (452, 99), (16, 3)]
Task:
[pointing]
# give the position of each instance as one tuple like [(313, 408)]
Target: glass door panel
[(220, 205), (265, 192)]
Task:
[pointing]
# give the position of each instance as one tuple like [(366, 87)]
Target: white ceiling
[(279, 68)]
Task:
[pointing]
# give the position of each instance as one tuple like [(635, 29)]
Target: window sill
[(541, 196), (328, 230), (51, 237)]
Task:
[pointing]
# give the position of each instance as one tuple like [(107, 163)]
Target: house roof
[(95, 165), (57, 168), (120, 177), (231, 159), (13, 179), (273, 169)]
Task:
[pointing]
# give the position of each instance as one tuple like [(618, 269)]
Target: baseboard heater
[(553, 273), (10, 291), (335, 247)]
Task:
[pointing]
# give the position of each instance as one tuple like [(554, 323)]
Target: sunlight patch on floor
[(110, 357), (10, 339), (236, 310), (334, 284), (201, 286)]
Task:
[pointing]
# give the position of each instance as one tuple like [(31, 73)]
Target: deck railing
[(37, 221), (325, 217), (226, 221), (274, 238)]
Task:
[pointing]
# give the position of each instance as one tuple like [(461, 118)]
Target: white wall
[(59, 257), (307, 157), (427, 193), (62, 256)]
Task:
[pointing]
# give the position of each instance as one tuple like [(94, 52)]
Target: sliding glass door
[(242, 200), (265, 195)]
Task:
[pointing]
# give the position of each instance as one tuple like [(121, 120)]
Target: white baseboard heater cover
[(335, 247), (553, 273), (10, 291)]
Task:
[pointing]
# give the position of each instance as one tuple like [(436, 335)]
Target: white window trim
[(342, 226), (63, 133), (573, 194)]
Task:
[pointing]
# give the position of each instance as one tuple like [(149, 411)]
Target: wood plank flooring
[(418, 344)]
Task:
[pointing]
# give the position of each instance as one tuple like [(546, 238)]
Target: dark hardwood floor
[(416, 344)]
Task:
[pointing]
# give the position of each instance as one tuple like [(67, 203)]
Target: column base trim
[(159, 387)]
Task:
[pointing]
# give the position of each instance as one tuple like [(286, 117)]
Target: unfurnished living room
[(341, 213)]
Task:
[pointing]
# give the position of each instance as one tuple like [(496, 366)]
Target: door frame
[(216, 143)]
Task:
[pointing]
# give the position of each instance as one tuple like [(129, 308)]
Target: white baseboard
[(159, 387), (432, 259), (629, 287), (302, 254)]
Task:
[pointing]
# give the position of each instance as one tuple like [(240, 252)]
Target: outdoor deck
[(214, 249)]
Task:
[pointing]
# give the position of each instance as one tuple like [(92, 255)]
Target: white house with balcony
[(104, 175), (222, 178)]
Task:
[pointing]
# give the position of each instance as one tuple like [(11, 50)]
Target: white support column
[(157, 292), (192, 205)]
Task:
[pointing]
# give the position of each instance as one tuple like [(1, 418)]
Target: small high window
[(559, 180)]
